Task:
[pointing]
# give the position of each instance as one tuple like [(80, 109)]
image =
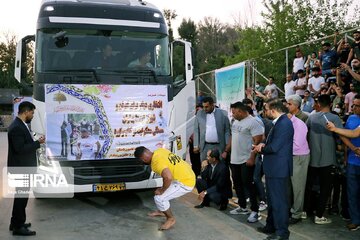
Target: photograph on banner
[(230, 85), (94, 122)]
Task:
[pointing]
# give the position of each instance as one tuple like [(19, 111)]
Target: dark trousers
[(353, 187), (258, 174), (278, 205), (243, 180), (18, 212), (325, 177), (195, 160), (216, 197)]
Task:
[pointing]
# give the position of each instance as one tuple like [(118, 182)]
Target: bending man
[(178, 179)]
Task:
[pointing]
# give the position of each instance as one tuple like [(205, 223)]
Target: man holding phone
[(322, 157)]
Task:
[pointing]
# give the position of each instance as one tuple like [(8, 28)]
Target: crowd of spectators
[(321, 94)]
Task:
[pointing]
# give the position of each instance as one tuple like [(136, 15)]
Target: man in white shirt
[(298, 63), (289, 86), (315, 81), (211, 129), (88, 147), (300, 83), (271, 89)]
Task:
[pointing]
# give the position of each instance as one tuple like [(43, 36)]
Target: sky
[(19, 16)]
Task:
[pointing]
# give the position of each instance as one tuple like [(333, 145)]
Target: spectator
[(322, 157), (214, 184), (200, 97), (245, 132), (311, 62), (338, 98), (289, 86), (300, 83), (343, 50), (355, 70), (301, 158), (315, 81), (293, 105), (277, 150), (211, 128), (307, 103), (349, 99), (298, 64), (328, 59), (353, 165), (271, 89), (355, 47), (259, 102)]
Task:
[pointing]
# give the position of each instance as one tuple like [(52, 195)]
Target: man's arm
[(344, 132), (355, 75), (196, 135), (256, 140), (350, 56), (17, 139)]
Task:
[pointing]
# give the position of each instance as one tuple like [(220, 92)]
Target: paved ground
[(123, 216)]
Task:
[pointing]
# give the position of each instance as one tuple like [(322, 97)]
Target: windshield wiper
[(93, 71)]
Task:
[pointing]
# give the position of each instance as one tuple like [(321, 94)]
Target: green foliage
[(188, 31), (169, 16)]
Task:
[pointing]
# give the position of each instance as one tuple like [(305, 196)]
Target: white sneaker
[(262, 206), (303, 215), (254, 217), (240, 210), (322, 220)]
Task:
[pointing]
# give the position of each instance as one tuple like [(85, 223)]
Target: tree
[(169, 16), (287, 23), (214, 43), (188, 31)]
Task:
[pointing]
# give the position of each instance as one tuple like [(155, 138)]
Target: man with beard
[(355, 47), (178, 179), (315, 81), (278, 160), (355, 71), (328, 59), (22, 153)]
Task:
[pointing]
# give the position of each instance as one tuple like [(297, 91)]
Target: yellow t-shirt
[(180, 170)]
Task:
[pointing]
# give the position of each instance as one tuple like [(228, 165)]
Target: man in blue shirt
[(353, 168), (328, 59)]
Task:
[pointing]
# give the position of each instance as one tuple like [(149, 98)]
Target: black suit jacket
[(22, 147), (220, 182)]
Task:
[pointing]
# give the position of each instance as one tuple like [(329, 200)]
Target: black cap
[(326, 44)]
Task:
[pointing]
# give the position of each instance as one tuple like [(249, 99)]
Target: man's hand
[(224, 155), (159, 191), (41, 140), (330, 126), (250, 162), (258, 148), (357, 151), (201, 196), (204, 164), (196, 150)]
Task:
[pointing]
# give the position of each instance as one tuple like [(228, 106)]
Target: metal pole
[(287, 61)]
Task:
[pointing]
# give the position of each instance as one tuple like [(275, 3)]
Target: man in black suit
[(214, 184), (278, 154), (22, 153)]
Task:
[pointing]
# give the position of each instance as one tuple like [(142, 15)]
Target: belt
[(212, 143)]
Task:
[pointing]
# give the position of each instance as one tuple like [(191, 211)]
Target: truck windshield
[(103, 50)]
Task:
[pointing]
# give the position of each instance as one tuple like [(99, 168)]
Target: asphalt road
[(123, 215)]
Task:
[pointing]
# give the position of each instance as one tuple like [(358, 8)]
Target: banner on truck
[(93, 122), (230, 85)]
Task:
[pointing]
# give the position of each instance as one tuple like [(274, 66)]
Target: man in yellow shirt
[(178, 179)]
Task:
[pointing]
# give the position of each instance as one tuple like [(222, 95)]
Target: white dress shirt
[(211, 135)]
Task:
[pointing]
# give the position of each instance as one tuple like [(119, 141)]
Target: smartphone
[(327, 120)]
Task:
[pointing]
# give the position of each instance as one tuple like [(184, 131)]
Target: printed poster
[(94, 122), (230, 85)]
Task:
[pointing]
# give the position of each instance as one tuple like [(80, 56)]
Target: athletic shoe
[(262, 206), (240, 210), (322, 220), (303, 215), (353, 227), (254, 217)]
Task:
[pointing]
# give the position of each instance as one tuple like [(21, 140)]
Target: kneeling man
[(178, 179)]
